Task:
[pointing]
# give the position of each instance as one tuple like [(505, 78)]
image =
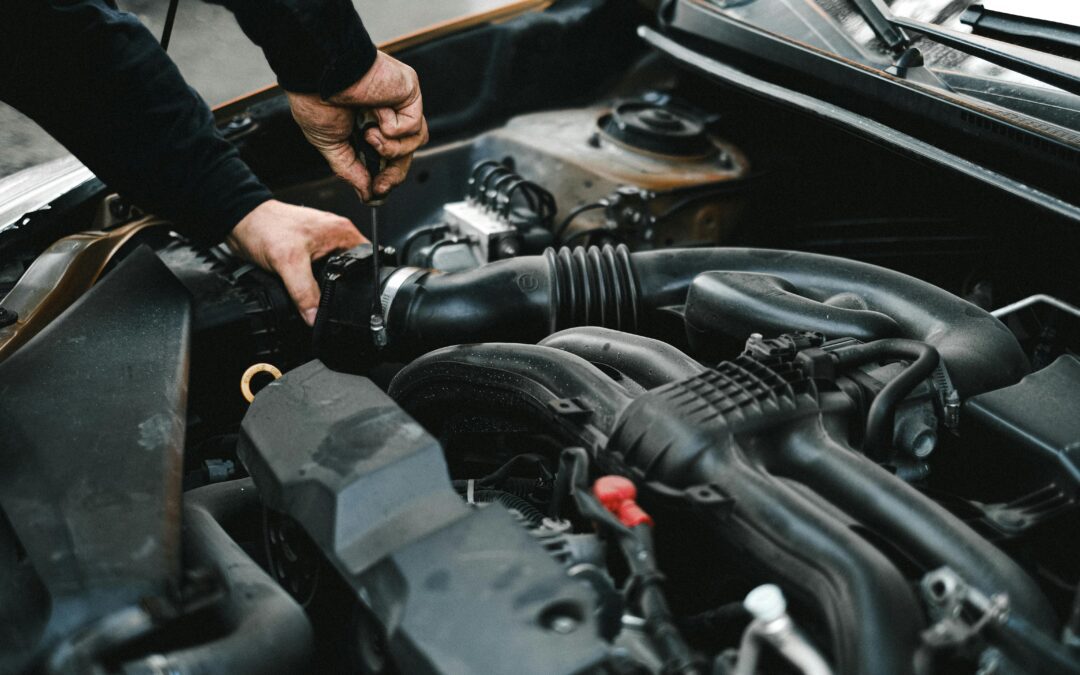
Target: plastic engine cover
[(458, 590)]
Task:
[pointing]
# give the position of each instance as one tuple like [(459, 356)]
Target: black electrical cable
[(637, 546), (502, 207), (504, 471), (493, 184), (881, 418), (170, 19), (410, 239), (430, 261), (540, 202), (479, 176), (570, 217), (474, 175), (485, 185), (491, 198), (727, 188)]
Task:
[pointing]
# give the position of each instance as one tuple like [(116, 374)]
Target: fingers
[(391, 90), (295, 271), (344, 163), (403, 120), (338, 235), (399, 153), (398, 146), (294, 265), (393, 175)]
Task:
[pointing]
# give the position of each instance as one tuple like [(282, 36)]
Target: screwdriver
[(374, 163)]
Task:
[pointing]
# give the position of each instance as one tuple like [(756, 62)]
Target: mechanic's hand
[(283, 238), (391, 90)]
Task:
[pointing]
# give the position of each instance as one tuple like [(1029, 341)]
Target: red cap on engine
[(617, 494)]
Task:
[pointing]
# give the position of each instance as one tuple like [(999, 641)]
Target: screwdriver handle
[(373, 161)]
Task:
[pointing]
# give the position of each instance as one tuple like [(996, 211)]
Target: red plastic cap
[(617, 494)]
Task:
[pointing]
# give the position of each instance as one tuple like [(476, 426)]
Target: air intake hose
[(528, 298)]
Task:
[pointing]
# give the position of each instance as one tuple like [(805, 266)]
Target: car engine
[(598, 402)]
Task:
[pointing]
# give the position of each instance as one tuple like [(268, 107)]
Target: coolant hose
[(528, 298), (268, 632)]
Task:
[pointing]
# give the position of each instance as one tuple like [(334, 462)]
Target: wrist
[(350, 66)]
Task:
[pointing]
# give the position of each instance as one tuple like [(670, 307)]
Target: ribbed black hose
[(881, 419), (595, 287), (525, 299)]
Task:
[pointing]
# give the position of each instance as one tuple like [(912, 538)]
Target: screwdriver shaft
[(377, 302)]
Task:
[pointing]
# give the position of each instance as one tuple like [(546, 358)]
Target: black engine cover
[(457, 590)]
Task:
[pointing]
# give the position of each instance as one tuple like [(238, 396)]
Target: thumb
[(300, 283)]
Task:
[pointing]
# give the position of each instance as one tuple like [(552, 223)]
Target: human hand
[(284, 239), (391, 90)]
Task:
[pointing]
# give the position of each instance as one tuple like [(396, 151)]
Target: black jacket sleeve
[(313, 46), (99, 82)]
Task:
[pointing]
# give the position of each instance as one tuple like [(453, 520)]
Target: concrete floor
[(218, 60)]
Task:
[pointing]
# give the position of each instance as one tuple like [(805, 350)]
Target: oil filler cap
[(658, 128)]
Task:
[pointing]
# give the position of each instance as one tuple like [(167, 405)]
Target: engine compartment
[(666, 380)]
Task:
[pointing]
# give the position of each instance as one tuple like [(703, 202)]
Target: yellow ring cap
[(245, 381)]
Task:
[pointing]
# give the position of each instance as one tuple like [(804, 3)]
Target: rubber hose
[(651, 363), (881, 419), (528, 298), (268, 631)]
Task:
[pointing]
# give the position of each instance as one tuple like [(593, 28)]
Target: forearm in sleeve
[(99, 82), (313, 46)]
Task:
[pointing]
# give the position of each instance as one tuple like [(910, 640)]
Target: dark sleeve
[(99, 82), (313, 46)]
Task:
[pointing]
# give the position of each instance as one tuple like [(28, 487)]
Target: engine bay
[(653, 378)]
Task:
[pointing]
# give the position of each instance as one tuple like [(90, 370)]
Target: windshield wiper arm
[(1058, 71), (878, 16)]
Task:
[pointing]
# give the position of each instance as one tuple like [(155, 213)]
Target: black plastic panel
[(92, 416), (1032, 429), (458, 590)]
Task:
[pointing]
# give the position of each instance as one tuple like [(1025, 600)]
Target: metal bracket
[(962, 612)]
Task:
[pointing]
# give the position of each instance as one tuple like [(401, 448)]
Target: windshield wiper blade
[(878, 16), (1055, 70), (1049, 36)]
